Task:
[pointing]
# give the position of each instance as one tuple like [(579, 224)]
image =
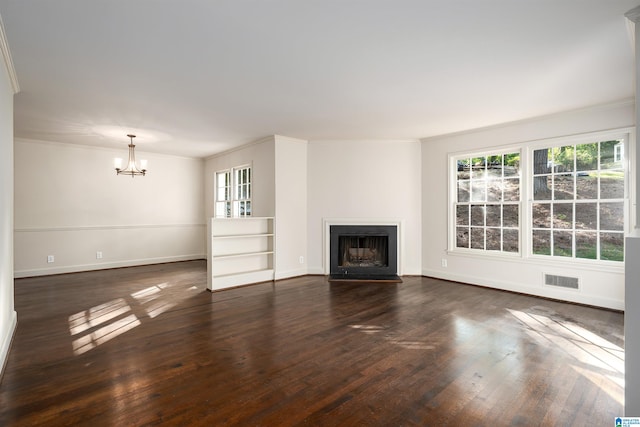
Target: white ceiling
[(197, 77)]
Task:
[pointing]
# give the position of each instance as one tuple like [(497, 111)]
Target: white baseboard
[(290, 273), (316, 271), (103, 265), (546, 292), (6, 341)]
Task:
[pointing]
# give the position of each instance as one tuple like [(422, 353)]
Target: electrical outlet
[(99, 255), (50, 258), (301, 260), (444, 262)]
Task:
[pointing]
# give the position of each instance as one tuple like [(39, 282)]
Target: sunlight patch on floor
[(106, 321), (97, 315), (599, 360), (408, 344), (104, 334)]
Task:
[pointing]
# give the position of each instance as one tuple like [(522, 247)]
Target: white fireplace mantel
[(328, 222)]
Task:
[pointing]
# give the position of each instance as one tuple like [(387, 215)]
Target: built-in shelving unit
[(240, 251)]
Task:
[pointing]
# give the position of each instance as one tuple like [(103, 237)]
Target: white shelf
[(240, 255), (241, 236), (240, 251)]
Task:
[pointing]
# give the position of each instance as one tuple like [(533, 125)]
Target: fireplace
[(363, 252)]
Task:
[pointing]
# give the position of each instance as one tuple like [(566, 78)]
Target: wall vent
[(562, 281)]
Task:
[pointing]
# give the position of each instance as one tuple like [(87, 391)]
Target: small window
[(233, 192)]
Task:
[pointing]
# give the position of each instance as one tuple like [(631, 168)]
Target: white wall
[(600, 286), (70, 203), (261, 156), (279, 189), (365, 180), (291, 206), (8, 87)]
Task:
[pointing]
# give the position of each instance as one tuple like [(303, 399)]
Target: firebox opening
[(370, 251), (363, 252)]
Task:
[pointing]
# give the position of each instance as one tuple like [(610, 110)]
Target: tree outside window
[(578, 208)]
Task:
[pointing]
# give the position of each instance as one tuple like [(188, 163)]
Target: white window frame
[(237, 197), (625, 137), (526, 150), (453, 196)]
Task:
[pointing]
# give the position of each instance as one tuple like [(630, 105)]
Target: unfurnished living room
[(346, 212)]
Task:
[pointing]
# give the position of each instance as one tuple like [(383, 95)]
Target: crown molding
[(8, 62), (633, 15)]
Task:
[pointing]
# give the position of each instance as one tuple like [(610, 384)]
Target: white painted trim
[(541, 291), (8, 61), (241, 147), (328, 222), (290, 273), (561, 114), (102, 227), (6, 342), (115, 147), (241, 279), (104, 266)]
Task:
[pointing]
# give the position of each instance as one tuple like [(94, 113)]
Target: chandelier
[(132, 168)]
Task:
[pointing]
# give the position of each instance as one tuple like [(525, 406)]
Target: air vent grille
[(562, 281)]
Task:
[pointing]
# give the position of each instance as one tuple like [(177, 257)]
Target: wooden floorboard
[(149, 346)]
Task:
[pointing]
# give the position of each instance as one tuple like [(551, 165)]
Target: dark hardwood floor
[(150, 346)]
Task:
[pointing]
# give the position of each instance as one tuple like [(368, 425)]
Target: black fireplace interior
[(363, 252)]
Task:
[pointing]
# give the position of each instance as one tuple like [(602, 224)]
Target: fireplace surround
[(363, 252)]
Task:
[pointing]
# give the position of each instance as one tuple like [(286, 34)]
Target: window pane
[(511, 164), (611, 154), (464, 169), (510, 240), (587, 157), (612, 246), (510, 217), (493, 239), (463, 191), (248, 208), (494, 190), (512, 189), (462, 237), (612, 185), (477, 238), (586, 186), (478, 191), (563, 187), (494, 166), (586, 216), (586, 245), (494, 215), (477, 215), (541, 161), (563, 159), (462, 215), (478, 168), (541, 187), (541, 242), (612, 216), (562, 243), (541, 215), (563, 215)]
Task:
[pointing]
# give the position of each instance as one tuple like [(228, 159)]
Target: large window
[(578, 207), (487, 206), (561, 200), (233, 192)]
